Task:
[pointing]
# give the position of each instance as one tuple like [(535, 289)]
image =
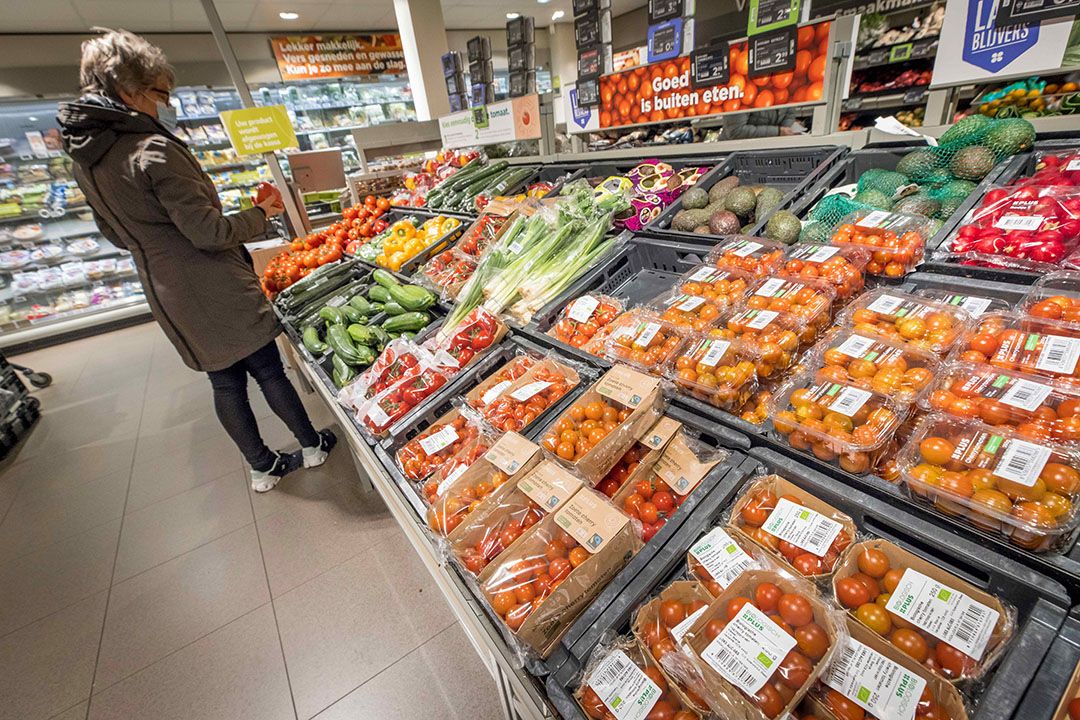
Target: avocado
[(949, 205), (972, 163), (917, 205), (741, 201), (815, 232), (718, 191), (702, 230), (966, 130), (936, 177), (957, 189), (917, 163), (724, 222), (695, 199), (783, 226), (687, 220), (874, 198), (1009, 136), (870, 176), (767, 199), (885, 181)]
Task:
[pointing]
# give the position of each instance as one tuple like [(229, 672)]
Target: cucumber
[(312, 342), (407, 322)]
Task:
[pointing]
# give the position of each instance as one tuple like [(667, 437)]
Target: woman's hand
[(271, 206)]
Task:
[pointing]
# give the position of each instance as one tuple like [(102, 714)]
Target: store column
[(563, 60), (423, 37)]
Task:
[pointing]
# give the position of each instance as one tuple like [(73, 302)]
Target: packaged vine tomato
[(842, 267), (836, 421), (802, 532), (472, 336), (1029, 404), (447, 272), (453, 467), (584, 318), (717, 558), (556, 568), (874, 363), (1037, 346), (621, 682), (761, 644), (426, 452), (642, 340), (494, 526), (905, 318), (713, 371), (870, 678), (491, 387), (757, 256), (597, 430), (637, 463), (952, 627), (995, 479), (380, 412)]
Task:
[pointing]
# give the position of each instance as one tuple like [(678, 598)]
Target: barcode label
[(377, 415), (810, 253), (944, 612), (972, 304), (451, 477), (886, 304), (679, 631), (1022, 461), (1019, 222), (716, 350), (623, 687), (583, 308), (516, 247), (440, 440), (721, 556), (874, 682), (1059, 354), (337, 301), (526, 391), (802, 527), (770, 287), (495, 391), (874, 219), (849, 400), (762, 319), (706, 273), (1025, 394), (1073, 165), (646, 335), (747, 650), (856, 346), (689, 303), (746, 247)]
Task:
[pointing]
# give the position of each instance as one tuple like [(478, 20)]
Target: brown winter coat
[(150, 197)]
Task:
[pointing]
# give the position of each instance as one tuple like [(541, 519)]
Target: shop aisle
[(141, 578)]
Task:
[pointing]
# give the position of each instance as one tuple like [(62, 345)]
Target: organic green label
[(899, 53)]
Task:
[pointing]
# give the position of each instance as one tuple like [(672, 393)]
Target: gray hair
[(120, 60)]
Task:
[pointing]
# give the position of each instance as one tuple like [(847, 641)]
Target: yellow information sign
[(258, 130)]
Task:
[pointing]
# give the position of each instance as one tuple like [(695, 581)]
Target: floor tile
[(187, 403), (46, 514), (174, 604), (161, 531), (159, 443), (234, 673), (47, 666), (54, 577), (63, 465), (158, 478), (444, 673), (328, 528), (89, 420), (346, 625), (77, 712)]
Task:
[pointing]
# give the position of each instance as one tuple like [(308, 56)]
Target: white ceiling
[(44, 16)]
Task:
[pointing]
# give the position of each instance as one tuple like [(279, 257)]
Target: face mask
[(166, 115)]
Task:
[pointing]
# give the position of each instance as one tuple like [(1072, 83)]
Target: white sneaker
[(316, 456), (265, 480)]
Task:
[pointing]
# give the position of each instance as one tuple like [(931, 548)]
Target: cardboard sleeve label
[(874, 682), (440, 440), (660, 433), (748, 650), (510, 452), (721, 556), (947, 614), (549, 486), (802, 527), (623, 687), (590, 520), (679, 468), (626, 386)]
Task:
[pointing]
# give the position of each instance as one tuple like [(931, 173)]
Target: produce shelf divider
[(1052, 680)]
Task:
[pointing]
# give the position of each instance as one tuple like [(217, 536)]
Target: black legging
[(234, 410)]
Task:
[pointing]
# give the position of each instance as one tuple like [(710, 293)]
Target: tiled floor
[(141, 579)]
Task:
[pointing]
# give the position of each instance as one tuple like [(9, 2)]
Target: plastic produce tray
[(1041, 604), (1052, 679), (441, 243), (848, 170), (640, 271), (791, 170)]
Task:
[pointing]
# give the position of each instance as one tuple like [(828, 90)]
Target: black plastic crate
[(441, 243), (1041, 604), (471, 213), (790, 170), (1052, 679)]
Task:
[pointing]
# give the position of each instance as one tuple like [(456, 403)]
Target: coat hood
[(91, 125)]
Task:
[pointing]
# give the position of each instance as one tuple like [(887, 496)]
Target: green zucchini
[(412, 297), (312, 341), (337, 337), (384, 279), (382, 338), (393, 308), (351, 314), (343, 373), (362, 334), (407, 322), (332, 315), (360, 303), (367, 355), (378, 294)]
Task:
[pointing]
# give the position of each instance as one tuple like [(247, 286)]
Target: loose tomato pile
[(495, 537), (837, 422), (756, 511), (892, 253), (756, 256), (642, 341), (426, 452), (454, 506), (581, 319), (909, 319), (1032, 345), (582, 427), (876, 364), (623, 469), (794, 614), (668, 706), (712, 370), (841, 267), (516, 408), (995, 479), (515, 589), (453, 467), (652, 502), (866, 594)]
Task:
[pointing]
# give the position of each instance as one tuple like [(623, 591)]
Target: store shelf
[(74, 321), (922, 49), (887, 98)]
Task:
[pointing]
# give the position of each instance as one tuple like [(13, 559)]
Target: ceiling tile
[(41, 16), (142, 16)]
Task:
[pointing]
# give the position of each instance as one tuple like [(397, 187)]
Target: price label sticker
[(1025, 394), (886, 304), (745, 247), (495, 391), (815, 254), (856, 346), (1022, 461), (874, 682), (646, 334), (1020, 222), (762, 319), (715, 351), (516, 247), (583, 308), (802, 527), (527, 390), (970, 303), (623, 687), (440, 440), (689, 303), (1073, 165), (771, 287), (944, 612), (377, 416), (721, 556), (707, 274), (874, 219), (1059, 354), (450, 478), (849, 400), (748, 650)]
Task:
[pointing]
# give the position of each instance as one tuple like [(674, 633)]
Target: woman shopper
[(150, 197)]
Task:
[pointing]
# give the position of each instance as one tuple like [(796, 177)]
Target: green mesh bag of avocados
[(831, 209)]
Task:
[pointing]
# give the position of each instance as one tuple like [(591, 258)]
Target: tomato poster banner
[(309, 57), (664, 91)]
